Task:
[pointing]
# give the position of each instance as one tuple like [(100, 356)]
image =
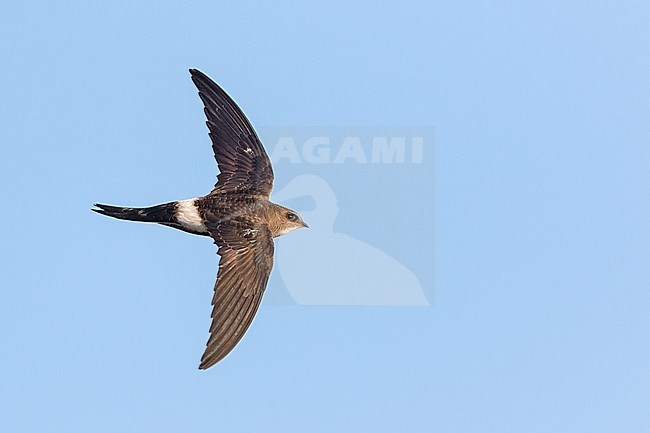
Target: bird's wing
[(246, 250), (243, 163)]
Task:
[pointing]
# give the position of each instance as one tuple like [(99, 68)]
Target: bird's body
[(237, 214)]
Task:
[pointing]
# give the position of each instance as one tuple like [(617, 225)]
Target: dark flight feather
[(246, 250), (243, 163)]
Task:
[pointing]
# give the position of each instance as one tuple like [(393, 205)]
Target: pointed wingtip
[(198, 78), (209, 361)]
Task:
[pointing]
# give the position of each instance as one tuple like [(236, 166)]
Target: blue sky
[(528, 231)]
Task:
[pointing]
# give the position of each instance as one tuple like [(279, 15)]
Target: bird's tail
[(162, 213)]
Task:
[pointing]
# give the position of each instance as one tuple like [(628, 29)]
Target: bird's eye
[(292, 216)]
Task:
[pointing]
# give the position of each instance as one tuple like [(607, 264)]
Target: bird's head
[(283, 220)]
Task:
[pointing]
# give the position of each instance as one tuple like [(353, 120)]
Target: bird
[(237, 214)]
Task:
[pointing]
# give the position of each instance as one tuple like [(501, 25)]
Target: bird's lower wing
[(246, 251)]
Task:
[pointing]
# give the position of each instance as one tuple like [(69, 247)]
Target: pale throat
[(283, 231)]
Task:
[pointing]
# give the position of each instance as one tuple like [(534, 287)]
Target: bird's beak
[(304, 224)]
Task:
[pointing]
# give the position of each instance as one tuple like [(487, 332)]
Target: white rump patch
[(188, 216)]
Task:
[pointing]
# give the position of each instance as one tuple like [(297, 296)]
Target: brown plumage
[(237, 214)]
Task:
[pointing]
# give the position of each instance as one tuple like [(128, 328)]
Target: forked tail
[(182, 215), (162, 213)]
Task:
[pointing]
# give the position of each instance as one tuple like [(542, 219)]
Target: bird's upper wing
[(246, 250), (243, 163)]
